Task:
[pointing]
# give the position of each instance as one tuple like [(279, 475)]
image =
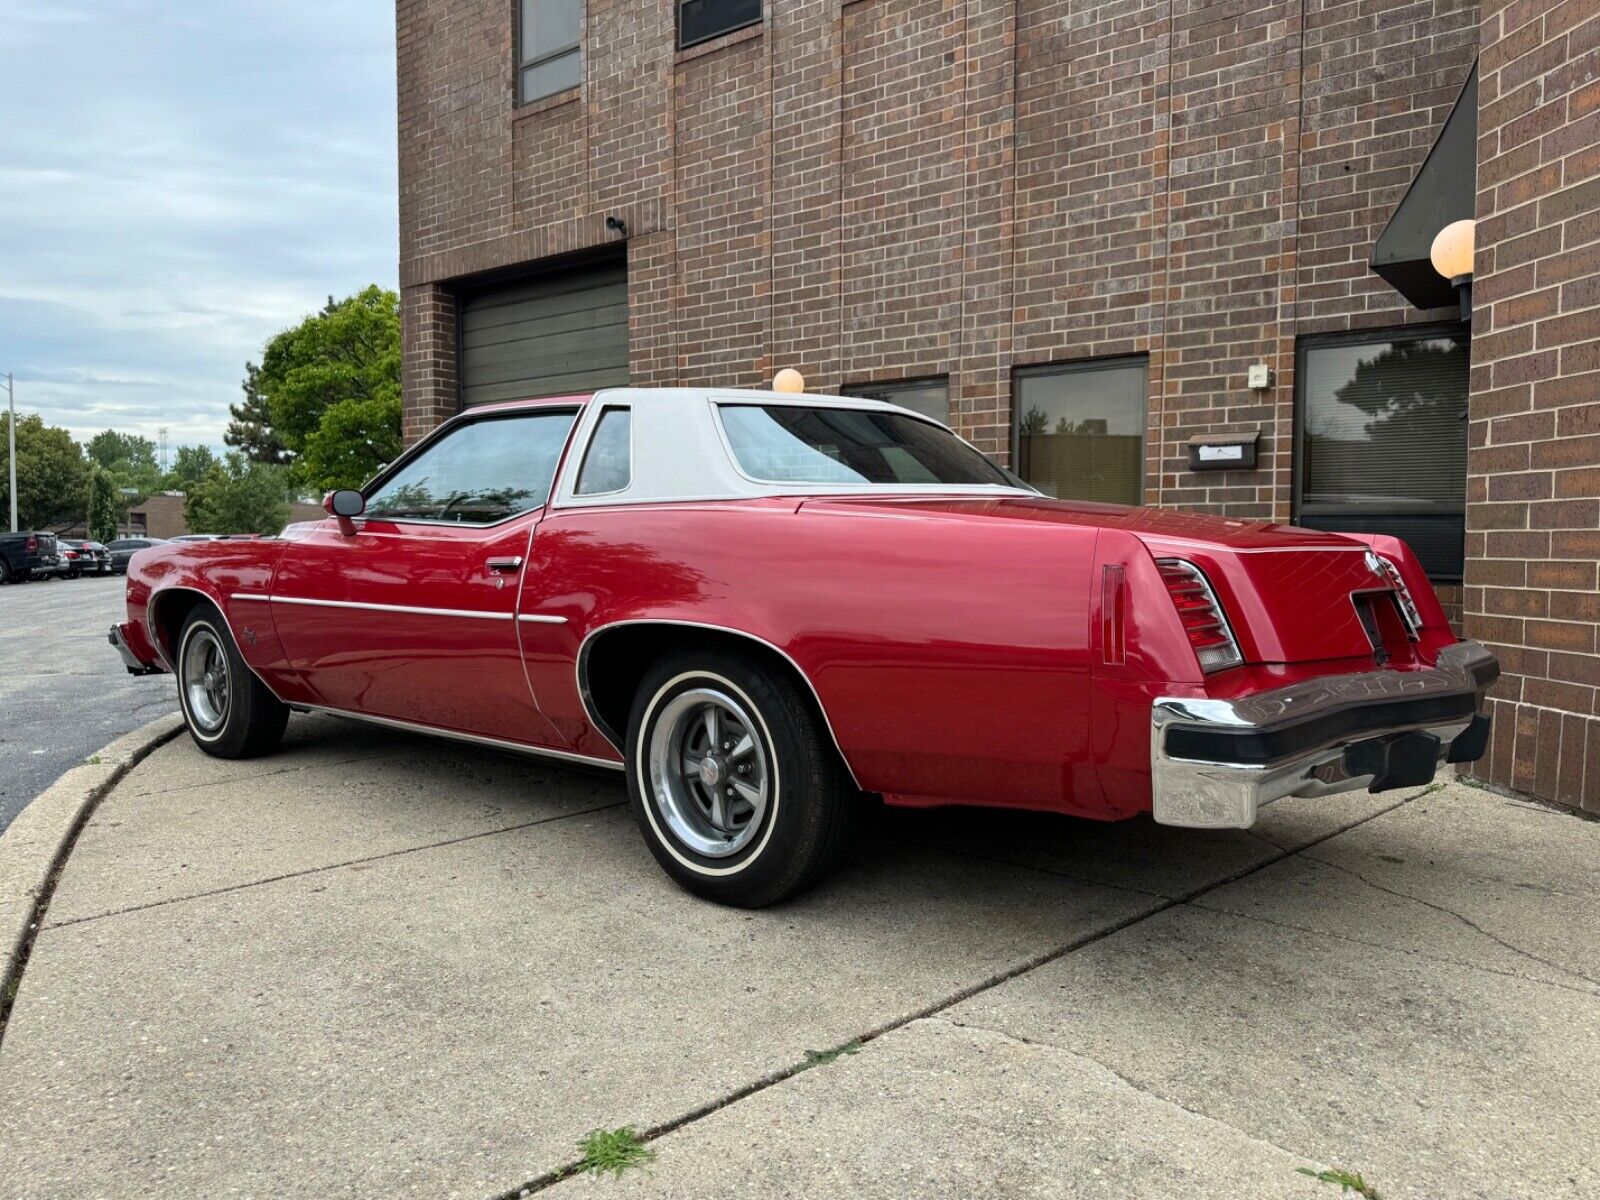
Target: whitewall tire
[(733, 780)]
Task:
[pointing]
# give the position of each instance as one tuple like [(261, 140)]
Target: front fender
[(164, 583)]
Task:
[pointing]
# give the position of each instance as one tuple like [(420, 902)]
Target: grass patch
[(613, 1151), (1348, 1181), (93, 760), (821, 1058)]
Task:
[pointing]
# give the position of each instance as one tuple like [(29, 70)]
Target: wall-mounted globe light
[(788, 380), (1452, 257)]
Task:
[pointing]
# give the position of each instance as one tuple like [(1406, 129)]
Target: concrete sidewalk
[(375, 965)]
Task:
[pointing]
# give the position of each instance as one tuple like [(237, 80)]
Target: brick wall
[(1533, 516), (880, 189)]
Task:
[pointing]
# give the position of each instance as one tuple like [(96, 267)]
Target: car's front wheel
[(734, 780), (230, 713)]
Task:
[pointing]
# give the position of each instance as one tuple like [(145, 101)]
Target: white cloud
[(177, 183)]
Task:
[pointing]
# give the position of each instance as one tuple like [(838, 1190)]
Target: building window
[(549, 57), (1080, 428), (1381, 439), (701, 20), (930, 397)]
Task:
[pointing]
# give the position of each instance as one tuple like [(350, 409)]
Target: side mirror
[(344, 504)]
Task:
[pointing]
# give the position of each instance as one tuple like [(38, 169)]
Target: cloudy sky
[(180, 179)]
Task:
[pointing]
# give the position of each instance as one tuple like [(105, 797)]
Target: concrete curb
[(40, 838)]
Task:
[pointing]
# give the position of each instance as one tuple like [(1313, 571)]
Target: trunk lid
[(1291, 595)]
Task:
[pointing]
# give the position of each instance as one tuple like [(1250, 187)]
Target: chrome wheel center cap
[(711, 770)]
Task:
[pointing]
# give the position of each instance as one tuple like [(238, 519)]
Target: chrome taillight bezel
[(1410, 615), (1211, 658)]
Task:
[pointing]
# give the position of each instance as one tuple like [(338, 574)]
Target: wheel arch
[(614, 658), (166, 611)]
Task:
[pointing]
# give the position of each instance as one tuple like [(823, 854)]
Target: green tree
[(130, 459), (354, 439), (52, 476), (331, 390), (251, 428), (105, 504), (238, 496), (190, 465)]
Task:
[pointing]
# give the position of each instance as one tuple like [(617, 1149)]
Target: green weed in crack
[(821, 1058), (613, 1151), (1348, 1181)]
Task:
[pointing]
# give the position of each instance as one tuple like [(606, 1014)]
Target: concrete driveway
[(377, 966), (64, 693)]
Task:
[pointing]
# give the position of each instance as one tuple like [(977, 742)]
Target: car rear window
[(784, 443)]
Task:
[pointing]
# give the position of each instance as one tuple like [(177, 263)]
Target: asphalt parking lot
[(63, 691)]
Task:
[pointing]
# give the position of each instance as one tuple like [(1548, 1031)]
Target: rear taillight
[(1402, 594), (33, 545), (1203, 619)]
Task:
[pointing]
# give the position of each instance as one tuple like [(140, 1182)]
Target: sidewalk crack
[(1423, 954), (1131, 1084), (1463, 919), (371, 858)]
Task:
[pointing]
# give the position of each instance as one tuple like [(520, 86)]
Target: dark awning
[(1443, 191)]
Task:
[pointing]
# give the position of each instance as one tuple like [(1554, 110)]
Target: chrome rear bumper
[(1213, 763)]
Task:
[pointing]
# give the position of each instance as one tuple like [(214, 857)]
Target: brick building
[(1071, 228), (161, 516)]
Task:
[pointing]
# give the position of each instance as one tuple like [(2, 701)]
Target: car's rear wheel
[(230, 713), (734, 781), (5, 571)]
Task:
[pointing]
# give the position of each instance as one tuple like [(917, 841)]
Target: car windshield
[(788, 443)]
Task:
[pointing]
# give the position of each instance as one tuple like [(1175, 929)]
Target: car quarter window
[(795, 444), (478, 473), (608, 462)]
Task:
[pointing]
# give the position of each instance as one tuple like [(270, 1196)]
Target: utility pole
[(11, 431)]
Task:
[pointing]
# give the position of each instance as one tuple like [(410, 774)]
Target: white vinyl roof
[(680, 451)]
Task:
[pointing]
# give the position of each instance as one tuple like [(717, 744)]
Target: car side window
[(479, 473), (608, 463)]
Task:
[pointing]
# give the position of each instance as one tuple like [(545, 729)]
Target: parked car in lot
[(84, 558), (28, 555), (125, 548), (759, 606)]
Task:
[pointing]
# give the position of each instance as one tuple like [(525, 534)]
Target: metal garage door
[(560, 333)]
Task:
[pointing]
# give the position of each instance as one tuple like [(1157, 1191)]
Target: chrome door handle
[(513, 563)]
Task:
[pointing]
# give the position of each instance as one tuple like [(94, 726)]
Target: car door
[(408, 613)]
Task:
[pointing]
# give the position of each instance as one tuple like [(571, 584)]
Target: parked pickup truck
[(24, 555)]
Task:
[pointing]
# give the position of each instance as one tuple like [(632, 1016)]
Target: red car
[(760, 606)]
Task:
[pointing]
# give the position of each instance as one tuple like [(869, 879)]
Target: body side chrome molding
[(458, 736), (588, 702), (542, 618)]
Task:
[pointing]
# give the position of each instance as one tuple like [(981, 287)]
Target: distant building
[(161, 515)]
